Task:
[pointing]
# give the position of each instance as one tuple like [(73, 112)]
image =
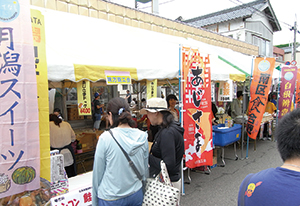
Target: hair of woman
[(55, 119), (168, 118), (171, 96), (120, 112)]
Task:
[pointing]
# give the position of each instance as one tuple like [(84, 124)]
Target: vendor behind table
[(236, 108), (97, 111)]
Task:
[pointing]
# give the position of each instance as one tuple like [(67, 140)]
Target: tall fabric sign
[(19, 123), (151, 89), (84, 98), (259, 90), (39, 42), (287, 88), (298, 89), (225, 92), (197, 107)]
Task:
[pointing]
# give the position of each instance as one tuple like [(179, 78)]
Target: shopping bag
[(159, 190)]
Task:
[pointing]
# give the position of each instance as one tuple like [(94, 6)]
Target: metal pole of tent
[(249, 101), (180, 113), (243, 120)]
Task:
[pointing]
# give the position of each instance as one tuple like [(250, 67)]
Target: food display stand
[(224, 136)]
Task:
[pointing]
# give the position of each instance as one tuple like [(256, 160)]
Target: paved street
[(221, 186)]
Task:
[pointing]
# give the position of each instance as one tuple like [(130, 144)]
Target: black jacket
[(168, 146)]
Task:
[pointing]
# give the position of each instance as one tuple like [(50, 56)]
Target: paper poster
[(19, 120), (82, 197), (225, 92), (84, 98), (259, 90), (117, 77), (197, 107), (287, 88), (151, 89)]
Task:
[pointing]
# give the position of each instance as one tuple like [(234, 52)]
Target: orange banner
[(259, 90), (298, 90), (197, 107)]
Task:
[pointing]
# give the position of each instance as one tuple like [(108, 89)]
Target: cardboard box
[(88, 141), (72, 110)]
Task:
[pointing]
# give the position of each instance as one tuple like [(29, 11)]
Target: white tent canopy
[(74, 39)]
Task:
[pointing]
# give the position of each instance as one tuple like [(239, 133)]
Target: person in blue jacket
[(277, 186), (114, 181)]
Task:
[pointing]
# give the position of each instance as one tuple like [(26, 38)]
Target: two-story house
[(254, 23)]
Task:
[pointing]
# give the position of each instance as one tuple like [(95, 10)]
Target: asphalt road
[(221, 186)]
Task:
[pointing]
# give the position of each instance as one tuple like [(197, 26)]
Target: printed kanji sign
[(197, 107)]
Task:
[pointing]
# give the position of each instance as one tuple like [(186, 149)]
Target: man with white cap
[(168, 143)]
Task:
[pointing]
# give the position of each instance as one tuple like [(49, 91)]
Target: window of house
[(125, 87), (264, 45)]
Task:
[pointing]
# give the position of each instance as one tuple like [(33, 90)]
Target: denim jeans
[(136, 199)]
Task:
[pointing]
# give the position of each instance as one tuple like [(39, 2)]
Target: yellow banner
[(38, 31), (151, 89), (84, 98)]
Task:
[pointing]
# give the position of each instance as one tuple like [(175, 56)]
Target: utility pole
[(295, 42)]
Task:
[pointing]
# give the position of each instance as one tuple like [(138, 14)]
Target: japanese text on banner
[(298, 89), (197, 104), (19, 125), (84, 98), (259, 90), (287, 88)]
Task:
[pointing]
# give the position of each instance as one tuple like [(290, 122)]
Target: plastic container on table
[(225, 136)]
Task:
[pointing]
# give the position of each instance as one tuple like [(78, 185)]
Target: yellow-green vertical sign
[(151, 88), (84, 98), (38, 31)]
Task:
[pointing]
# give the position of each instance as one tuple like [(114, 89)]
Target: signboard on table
[(225, 91), (84, 98), (151, 88), (287, 88), (259, 90), (298, 89), (117, 77), (197, 107), (19, 120), (38, 32), (82, 197)]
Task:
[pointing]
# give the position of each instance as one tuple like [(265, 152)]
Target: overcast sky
[(285, 11)]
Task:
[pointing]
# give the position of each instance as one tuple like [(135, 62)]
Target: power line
[(260, 12)]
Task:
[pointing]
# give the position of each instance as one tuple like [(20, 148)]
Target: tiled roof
[(241, 11)]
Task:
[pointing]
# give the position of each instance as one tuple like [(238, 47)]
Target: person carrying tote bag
[(168, 142)]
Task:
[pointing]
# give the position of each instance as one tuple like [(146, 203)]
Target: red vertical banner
[(197, 107), (259, 90), (298, 89), (287, 88)]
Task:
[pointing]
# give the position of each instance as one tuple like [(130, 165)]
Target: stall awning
[(80, 47)]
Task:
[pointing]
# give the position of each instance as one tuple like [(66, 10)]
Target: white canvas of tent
[(79, 40)]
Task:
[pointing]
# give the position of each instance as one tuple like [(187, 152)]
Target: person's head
[(97, 95), (55, 119), (119, 113), (171, 100), (127, 91), (158, 113), (56, 111), (287, 134), (239, 95)]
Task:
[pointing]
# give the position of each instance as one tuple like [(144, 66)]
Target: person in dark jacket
[(168, 143)]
